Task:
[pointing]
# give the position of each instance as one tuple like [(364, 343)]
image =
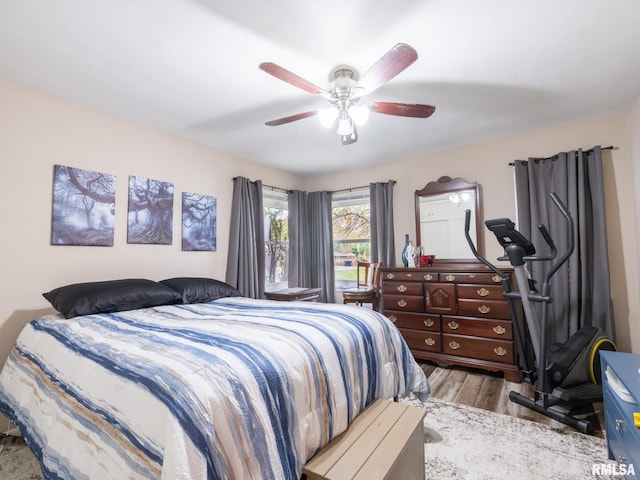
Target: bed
[(197, 386)]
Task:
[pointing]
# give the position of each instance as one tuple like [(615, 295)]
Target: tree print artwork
[(150, 219), (199, 215), (83, 207)]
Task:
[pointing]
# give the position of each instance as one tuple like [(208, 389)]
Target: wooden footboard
[(385, 441)]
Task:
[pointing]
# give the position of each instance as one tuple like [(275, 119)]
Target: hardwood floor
[(488, 391)]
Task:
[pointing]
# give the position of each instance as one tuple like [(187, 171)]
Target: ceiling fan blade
[(349, 139), (388, 66), (402, 109), (291, 78), (291, 118)]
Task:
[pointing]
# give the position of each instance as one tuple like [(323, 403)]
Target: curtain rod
[(284, 190), (610, 147), (357, 188)]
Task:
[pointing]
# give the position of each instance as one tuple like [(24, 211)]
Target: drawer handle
[(454, 345), (392, 318), (484, 309), (496, 278), (428, 322), (483, 292), (472, 275), (450, 278), (430, 341), (499, 329), (428, 276), (453, 325), (501, 352), (409, 274), (401, 288), (402, 303), (619, 424), (390, 276)]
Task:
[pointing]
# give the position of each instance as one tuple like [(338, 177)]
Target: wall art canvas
[(83, 207), (150, 216), (199, 215)]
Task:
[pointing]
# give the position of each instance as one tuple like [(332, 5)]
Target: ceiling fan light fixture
[(328, 116), (349, 139), (345, 125)]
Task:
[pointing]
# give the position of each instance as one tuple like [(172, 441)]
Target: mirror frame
[(449, 185)]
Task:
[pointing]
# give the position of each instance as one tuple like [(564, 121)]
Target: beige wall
[(634, 136), (487, 164), (38, 131)]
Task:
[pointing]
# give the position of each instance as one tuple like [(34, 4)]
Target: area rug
[(461, 443), (16, 460), (467, 443)]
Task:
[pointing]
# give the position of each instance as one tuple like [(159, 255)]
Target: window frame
[(345, 198), (278, 199)]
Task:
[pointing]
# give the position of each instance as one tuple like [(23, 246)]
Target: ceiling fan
[(346, 90)]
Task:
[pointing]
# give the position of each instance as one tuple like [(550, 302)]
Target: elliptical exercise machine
[(568, 374)]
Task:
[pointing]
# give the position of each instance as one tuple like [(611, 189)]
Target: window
[(276, 230), (351, 234)]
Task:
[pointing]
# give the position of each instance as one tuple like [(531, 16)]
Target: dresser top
[(444, 266)]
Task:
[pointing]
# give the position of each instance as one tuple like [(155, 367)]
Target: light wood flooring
[(489, 391)]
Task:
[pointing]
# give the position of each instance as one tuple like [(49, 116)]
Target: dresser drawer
[(482, 278), (484, 308), (416, 321), (410, 276), (479, 292), (421, 340), (440, 298), (477, 327), (480, 348), (402, 288), (407, 303)]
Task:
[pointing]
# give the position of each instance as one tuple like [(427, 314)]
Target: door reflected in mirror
[(440, 218)]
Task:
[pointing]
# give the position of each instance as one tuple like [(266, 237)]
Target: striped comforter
[(237, 388)]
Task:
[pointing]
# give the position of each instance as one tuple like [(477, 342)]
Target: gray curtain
[(299, 271), (383, 247), (580, 290), (311, 242), (245, 259)]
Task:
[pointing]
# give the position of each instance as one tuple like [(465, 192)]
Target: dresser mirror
[(440, 217)]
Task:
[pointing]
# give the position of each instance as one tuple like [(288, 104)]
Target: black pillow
[(201, 290), (110, 296)]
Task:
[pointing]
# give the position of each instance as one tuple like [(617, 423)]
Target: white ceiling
[(492, 68)]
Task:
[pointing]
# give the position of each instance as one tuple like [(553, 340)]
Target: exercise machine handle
[(467, 224), (571, 239), (547, 238)]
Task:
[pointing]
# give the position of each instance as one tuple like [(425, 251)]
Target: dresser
[(621, 393), (452, 314)]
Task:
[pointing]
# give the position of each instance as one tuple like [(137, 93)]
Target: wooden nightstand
[(294, 294)]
